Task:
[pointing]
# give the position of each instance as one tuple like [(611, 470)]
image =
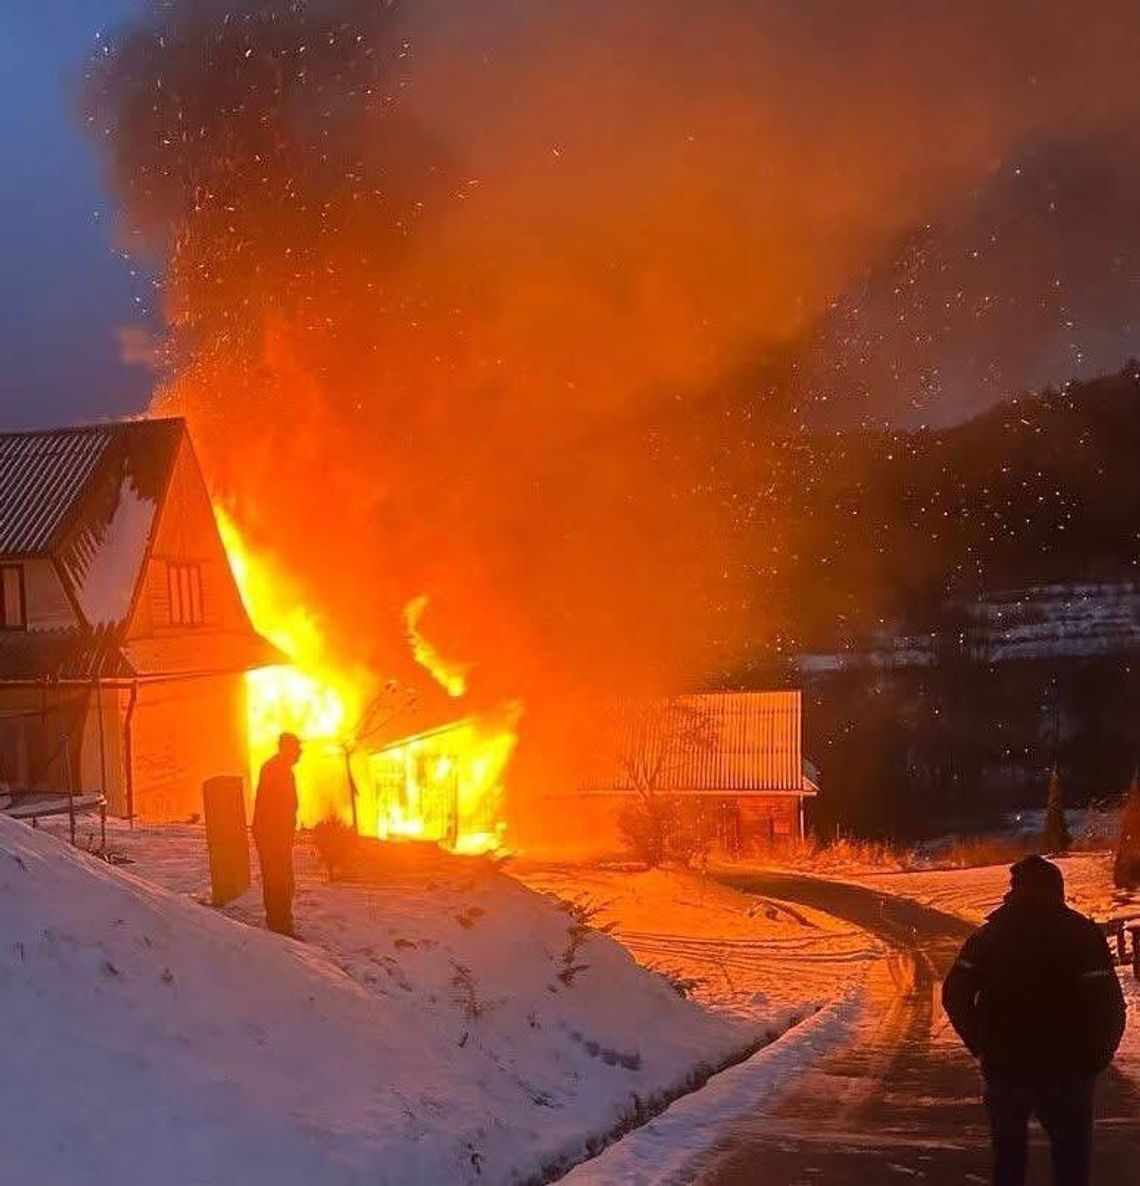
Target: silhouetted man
[(274, 827), (1034, 995)]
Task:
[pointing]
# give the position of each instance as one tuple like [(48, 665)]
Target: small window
[(13, 605), (187, 604)]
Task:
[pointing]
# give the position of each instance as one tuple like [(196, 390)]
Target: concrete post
[(227, 837)]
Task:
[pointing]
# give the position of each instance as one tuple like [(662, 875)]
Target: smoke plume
[(460, 292)]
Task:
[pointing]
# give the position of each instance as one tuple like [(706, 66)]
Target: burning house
[(131, 667), (124, 642)]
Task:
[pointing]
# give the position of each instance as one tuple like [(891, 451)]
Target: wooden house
[(124, 642), (739, 753)]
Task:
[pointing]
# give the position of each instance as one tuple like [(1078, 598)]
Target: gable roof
[(90, 499), (55, 484), (42, 476), (734, 743)]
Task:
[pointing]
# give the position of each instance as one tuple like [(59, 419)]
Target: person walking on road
[(1035, 997), (274, 829)]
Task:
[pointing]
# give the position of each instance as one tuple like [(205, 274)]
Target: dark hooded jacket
[(1034, 993)]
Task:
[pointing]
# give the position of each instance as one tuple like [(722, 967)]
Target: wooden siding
[(48, 605), (183, 733), (187, 533)]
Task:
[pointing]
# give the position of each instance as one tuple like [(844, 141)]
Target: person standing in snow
[(1035, 997), (274, 829)]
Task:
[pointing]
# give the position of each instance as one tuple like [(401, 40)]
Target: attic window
[(187, 603), (13, 604)]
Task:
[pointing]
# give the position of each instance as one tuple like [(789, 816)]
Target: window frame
[(186, 591), (21, 623)]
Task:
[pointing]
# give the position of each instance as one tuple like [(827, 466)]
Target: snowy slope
[(150, 1040), (757, 957)]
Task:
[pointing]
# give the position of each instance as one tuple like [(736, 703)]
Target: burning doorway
[(446, 784)]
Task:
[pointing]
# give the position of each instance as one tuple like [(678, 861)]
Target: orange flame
[(452, 677), (445, 785), (309, 697)]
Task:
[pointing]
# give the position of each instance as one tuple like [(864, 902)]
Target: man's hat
[(1035, 877)]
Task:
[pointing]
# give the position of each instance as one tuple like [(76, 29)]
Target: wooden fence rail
[(1121, 932)]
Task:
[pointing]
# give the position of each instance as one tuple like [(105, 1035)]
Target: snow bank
[(974, 893), (152, 1040), (665, 1150)]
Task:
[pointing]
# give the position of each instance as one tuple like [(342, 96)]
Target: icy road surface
[(900, 1101)]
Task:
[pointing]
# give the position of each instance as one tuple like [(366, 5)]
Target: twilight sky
[(64, 292), (1028, 275)]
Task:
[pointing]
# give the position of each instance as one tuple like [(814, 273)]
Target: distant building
[(744, 759), (124, 642), (1062, 621)]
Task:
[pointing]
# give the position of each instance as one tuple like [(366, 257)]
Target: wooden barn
[(740, 753), (124, 643)]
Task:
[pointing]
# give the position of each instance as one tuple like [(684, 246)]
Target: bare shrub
[(974, 852), (1126, 866), (336, 845)]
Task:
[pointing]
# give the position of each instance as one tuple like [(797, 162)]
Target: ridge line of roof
[(98, 426)]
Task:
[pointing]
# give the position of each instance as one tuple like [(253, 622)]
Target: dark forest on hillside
[(889, 537)]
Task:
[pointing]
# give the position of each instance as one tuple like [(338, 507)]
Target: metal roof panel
[(42, 477)]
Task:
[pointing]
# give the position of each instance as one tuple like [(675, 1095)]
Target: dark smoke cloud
[(460, 292)]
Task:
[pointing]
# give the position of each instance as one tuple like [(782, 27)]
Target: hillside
[(875, 526)]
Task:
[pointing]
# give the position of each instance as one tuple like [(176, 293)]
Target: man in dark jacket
[(274, 828), (1035, 997)]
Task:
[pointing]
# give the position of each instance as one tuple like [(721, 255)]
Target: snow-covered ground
[(442, 1024), (974, 893), (756, 957), (667, 1148)]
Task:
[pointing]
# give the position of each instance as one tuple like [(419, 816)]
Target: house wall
[(184, 732), (101, 753), (772, 819), (48, 606), (40, 730), (187, 533), (586, 825)]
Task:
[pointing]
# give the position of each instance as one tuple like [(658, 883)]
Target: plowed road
[(900, 1101)]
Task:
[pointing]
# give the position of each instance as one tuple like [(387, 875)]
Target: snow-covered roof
[(42, 477), (89, 499)]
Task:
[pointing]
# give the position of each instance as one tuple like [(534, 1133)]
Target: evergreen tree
[(1126, 870), (1056, 838)]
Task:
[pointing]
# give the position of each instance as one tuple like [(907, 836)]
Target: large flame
[(443, 785), (447, 785), (452, 677)]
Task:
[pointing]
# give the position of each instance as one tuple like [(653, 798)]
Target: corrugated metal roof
[(202, 653), (60, 655), (712, 743), (42, 477)]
